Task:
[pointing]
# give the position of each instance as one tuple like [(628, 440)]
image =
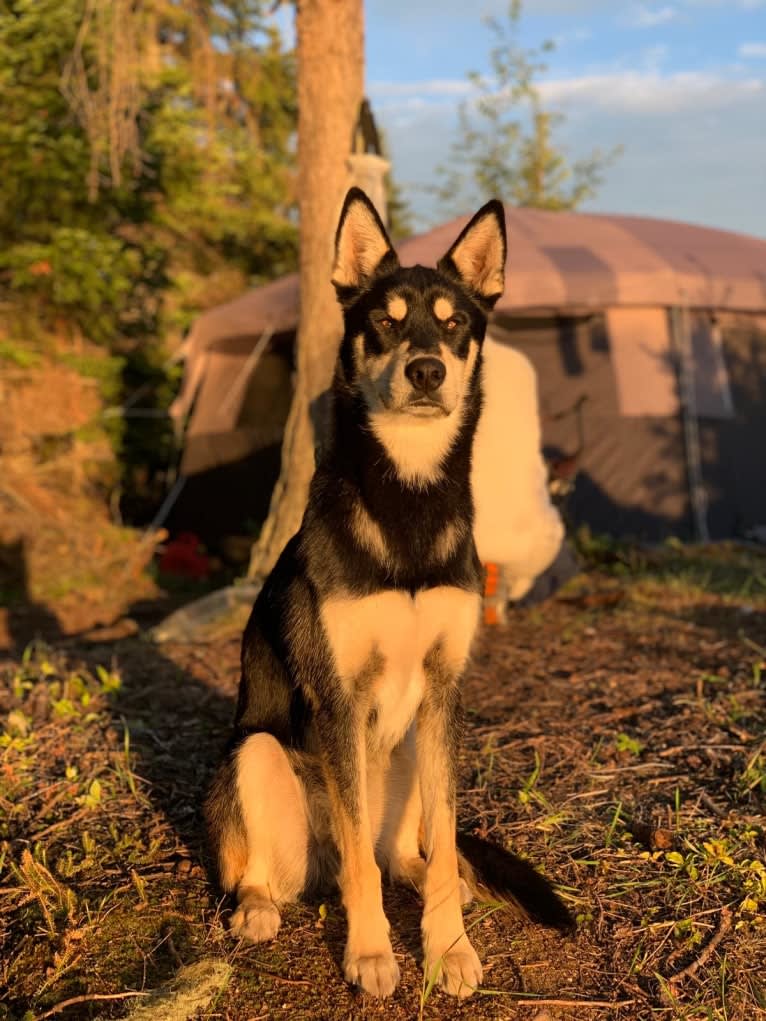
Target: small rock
[(651, 837)]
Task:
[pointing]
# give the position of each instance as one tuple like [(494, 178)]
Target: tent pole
[(167, 505), (238, 386), (681, 335)]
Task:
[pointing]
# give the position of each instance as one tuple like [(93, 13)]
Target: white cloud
[(566, 6), (648, 17), (650, 91), (433, 88), (653, 56), (423, 9), (569, 38), (426, 9), (645, 91), (744, 5), (693, 148), (750, 50)]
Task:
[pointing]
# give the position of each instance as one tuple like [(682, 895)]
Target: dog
[(343, 761)]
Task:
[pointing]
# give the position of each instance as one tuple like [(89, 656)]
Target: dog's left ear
[(477, 258), (362, 248)]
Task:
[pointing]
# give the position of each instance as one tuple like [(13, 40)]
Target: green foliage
[(93, 230), (222, 153), (505, 146), (398, 209), (400, 218), (147, 439), (43, 154), (107, 372), (87, 276), (625, 743), (60, 254), (147, 150), (18, 355)]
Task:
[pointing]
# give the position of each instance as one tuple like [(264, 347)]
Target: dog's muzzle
[(426, 374)]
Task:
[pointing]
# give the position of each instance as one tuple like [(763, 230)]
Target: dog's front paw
[(256, 919), (376, 974), (457, 970)]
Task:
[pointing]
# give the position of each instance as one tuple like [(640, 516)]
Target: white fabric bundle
[(516, 526)]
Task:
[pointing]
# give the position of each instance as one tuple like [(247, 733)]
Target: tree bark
[(330, 51)]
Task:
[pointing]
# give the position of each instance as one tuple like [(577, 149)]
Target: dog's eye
[(450, 324), (386, 323)]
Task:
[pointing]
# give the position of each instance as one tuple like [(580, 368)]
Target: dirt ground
[(615, 736), (66, 563)]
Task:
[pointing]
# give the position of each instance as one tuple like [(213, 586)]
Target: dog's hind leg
[(259, 824)]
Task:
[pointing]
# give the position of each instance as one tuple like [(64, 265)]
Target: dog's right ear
[(477, 258), (362, 248)]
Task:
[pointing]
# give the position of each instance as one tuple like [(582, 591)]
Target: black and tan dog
[(343, 760)]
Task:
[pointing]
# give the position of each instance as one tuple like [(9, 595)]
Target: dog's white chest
[(379, 643)]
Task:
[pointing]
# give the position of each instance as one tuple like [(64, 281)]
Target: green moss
[(18, 355)]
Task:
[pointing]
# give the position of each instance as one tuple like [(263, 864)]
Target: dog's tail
[(492, 873)]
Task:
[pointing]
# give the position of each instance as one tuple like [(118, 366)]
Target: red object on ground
[(185, 556), (495, 597)]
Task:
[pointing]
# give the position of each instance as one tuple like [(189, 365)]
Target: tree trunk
[(330, 50)]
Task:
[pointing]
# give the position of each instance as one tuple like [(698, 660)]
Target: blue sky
[(681, 85)]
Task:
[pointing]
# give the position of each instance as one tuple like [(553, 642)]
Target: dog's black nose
[(426, 374)]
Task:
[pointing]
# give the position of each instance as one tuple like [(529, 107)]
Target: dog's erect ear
[(477, 258), (362, 248)]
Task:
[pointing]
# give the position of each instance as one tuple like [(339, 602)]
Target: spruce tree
[(506, 146)]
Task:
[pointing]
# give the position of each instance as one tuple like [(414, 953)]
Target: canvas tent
[(660, 327)]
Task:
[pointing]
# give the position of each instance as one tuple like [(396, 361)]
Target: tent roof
[(556, 261)]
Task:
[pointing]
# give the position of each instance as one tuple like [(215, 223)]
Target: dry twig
[(588, 1004), (724, 925), (87, 998)]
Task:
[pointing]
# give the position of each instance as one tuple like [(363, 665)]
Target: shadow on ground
[(174, 711), (631, 698)]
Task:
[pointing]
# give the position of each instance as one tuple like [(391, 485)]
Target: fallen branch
[(87, 998), (724, 924), (593, 1004)]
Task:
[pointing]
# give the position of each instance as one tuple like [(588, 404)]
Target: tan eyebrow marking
[(443, 308), (397, 307)]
